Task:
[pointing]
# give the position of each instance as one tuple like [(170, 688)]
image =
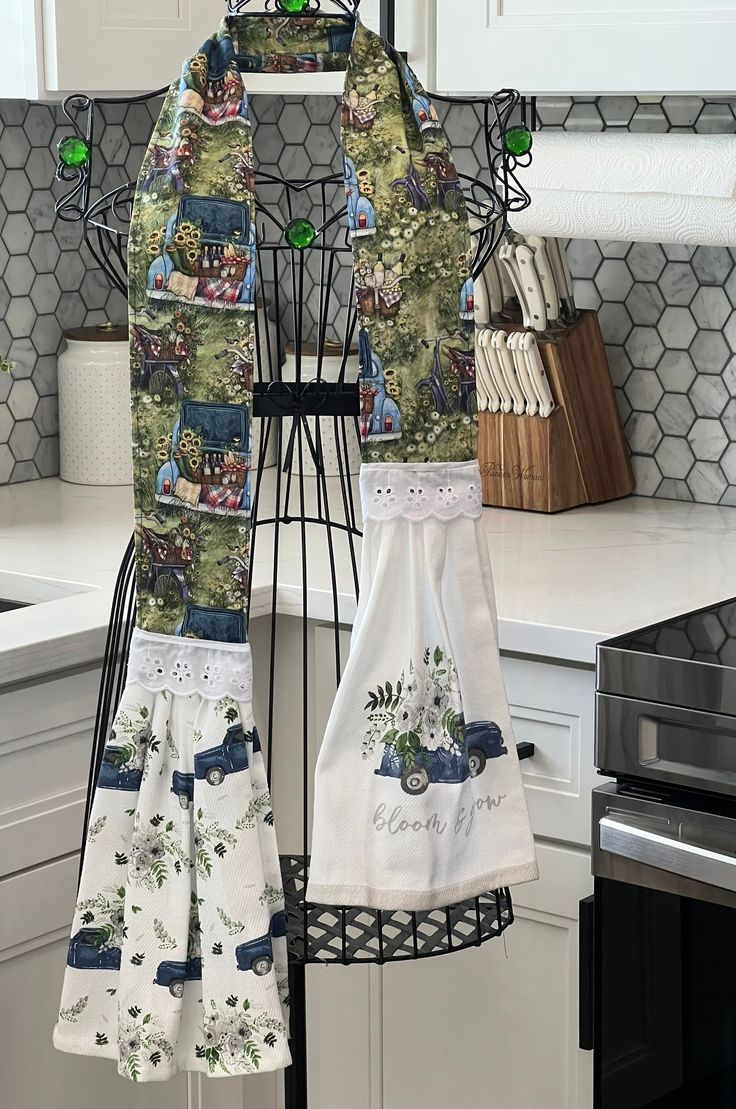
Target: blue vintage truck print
[(257, 955), (113, 775), (173, 974), (208, 255), (229, 757), (483, 741), (208, 468), (221, 625), (226, 758), (87, 951)]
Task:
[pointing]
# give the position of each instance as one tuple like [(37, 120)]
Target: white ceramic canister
[(94, 407), (331, 366)]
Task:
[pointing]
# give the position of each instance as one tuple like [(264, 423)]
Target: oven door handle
[(676, 856)]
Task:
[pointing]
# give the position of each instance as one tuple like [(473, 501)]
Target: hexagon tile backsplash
[(668, 313)]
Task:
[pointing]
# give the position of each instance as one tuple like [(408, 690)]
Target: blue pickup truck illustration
[(173, 974), (113, 775), (483, 741), (257, 955), (214, 763), (217, 762), (87, 951)]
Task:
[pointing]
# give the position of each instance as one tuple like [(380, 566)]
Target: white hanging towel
[(419, 801), (177, 959)]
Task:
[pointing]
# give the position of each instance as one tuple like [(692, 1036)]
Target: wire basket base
[(336, 934)]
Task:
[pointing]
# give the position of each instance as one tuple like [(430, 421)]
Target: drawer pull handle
[(525, 750)]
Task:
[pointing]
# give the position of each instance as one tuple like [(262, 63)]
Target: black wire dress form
[(297, 416)]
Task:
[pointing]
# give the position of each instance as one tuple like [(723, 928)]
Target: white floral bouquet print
[(418, 712), (139, 1037), (154, 848), (235, 1037)]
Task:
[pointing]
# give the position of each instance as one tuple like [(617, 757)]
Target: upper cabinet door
[(586, 46), (139, 45)]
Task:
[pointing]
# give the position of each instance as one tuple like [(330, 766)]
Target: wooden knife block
[(578, 455)]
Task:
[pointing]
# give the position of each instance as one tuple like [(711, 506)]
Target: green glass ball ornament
[(292, 7), (73, 151), (300, 234), (518, 140)]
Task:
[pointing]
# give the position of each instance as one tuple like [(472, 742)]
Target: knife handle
[(500, 343), (536, 367), (522, 372), (483, 370), (480, 384), (532, 283), (507, 254), (546, 276), (493, 361), (482, 302)]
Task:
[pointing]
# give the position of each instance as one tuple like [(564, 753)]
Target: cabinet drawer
[(553, 707), (44, 763)]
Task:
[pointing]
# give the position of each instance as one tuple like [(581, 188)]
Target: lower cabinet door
[(32, 961), (496, 1025)]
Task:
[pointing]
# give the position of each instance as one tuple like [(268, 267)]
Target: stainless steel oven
[(658, 938)]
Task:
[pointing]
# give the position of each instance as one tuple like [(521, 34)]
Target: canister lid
[(108, 332), (311, 350)]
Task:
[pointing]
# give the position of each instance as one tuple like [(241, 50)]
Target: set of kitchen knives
[(535, 273), (509, 374), (532, 273)]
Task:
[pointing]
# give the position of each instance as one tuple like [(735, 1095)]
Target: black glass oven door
[(664, 964)]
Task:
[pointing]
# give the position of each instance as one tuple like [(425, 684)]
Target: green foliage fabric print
[(193, 265)]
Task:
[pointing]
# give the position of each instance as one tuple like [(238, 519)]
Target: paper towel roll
[(622, 162), (646, 218)]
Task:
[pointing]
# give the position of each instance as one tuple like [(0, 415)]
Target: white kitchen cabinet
[(127, 46), (496, 1025), (586, 46), (553, 707)]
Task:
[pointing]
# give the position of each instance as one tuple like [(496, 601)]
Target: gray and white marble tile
[(709, 395), (674, 457), (707, 440), (707, 482)]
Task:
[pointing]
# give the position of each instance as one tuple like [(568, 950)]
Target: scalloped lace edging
[(179, 665), (442, 490)]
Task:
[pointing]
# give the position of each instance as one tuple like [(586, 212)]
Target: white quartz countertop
[(563, 582)]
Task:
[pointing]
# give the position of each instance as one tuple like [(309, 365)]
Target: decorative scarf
[(177, 959)]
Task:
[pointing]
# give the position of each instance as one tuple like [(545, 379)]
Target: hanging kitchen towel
[(419, 795), (177, 959)]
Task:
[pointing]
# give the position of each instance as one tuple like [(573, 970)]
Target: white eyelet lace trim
[(444, 490), (178, 665)]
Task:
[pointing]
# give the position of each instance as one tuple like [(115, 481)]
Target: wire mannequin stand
[(298, 416)]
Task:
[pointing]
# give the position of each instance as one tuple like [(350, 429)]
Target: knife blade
[(546, 276), (538, 374), (507, 254), (493, 362), (522, 372), (500, 345), (562, 276), (533, 289)]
